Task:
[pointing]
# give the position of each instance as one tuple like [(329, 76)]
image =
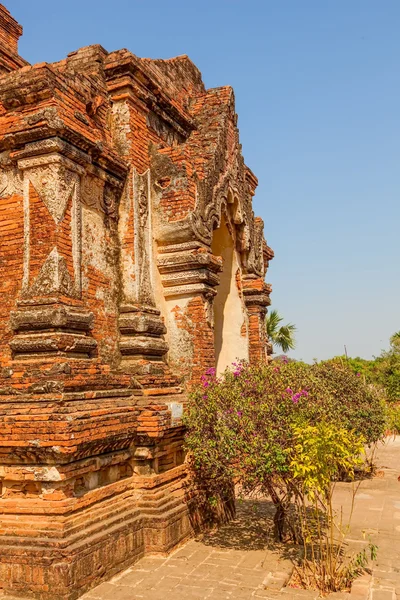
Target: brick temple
[(131, 262)]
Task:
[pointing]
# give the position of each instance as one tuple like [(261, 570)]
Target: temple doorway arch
[(230, 322)]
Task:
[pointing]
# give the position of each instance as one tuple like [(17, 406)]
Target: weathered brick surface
[(10, 32), (114, 173)]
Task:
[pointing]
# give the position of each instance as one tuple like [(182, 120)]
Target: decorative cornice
[(52, 146), (256, 292), (62, 318), (189, 271), (53, 344)]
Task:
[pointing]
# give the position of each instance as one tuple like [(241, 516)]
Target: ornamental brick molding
[(131, 262)]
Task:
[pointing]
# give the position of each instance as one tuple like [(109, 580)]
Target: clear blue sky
[(318, 95)]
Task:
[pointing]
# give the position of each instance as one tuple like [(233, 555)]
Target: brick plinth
[(77, 508), (59, 552)]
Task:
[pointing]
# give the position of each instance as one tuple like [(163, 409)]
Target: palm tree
[(281, 336), (395, 341)]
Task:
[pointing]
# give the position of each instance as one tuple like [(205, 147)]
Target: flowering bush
[(243, 426), (287, 430)]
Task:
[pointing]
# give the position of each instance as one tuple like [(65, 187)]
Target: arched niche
[(230, 321)]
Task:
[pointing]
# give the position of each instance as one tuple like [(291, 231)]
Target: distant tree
[(388, 368), (285, 359), (280, 336), (363, 367), (383, 371)]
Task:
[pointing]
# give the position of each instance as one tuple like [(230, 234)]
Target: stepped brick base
[(61, 554)]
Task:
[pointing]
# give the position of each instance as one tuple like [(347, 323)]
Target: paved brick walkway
[(238, 562), (195, 571), (377, 513)]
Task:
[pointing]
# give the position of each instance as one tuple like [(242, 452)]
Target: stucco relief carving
[(100, 193), (209, 308), (53, 278), (120, 126), (256, 257), (140, 324), (143, 239), (109, 200), (56, 181), (92, 190), (224, 189), (11, 180)]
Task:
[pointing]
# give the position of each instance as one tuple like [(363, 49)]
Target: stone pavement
[(376, 517), (239, 561), (232, 562)]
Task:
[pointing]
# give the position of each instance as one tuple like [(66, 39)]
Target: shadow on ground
[(251, 529)]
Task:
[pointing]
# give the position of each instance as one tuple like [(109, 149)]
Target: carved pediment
[(198, 182)]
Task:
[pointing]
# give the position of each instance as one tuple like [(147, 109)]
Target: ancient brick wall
[(117, 176), (10, 32)]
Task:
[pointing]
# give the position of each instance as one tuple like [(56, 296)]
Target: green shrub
[(394, 419), (382, 371), (320, 453), (359, 407), (363, 367)]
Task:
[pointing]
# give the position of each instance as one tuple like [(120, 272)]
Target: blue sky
[(318, 96)]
